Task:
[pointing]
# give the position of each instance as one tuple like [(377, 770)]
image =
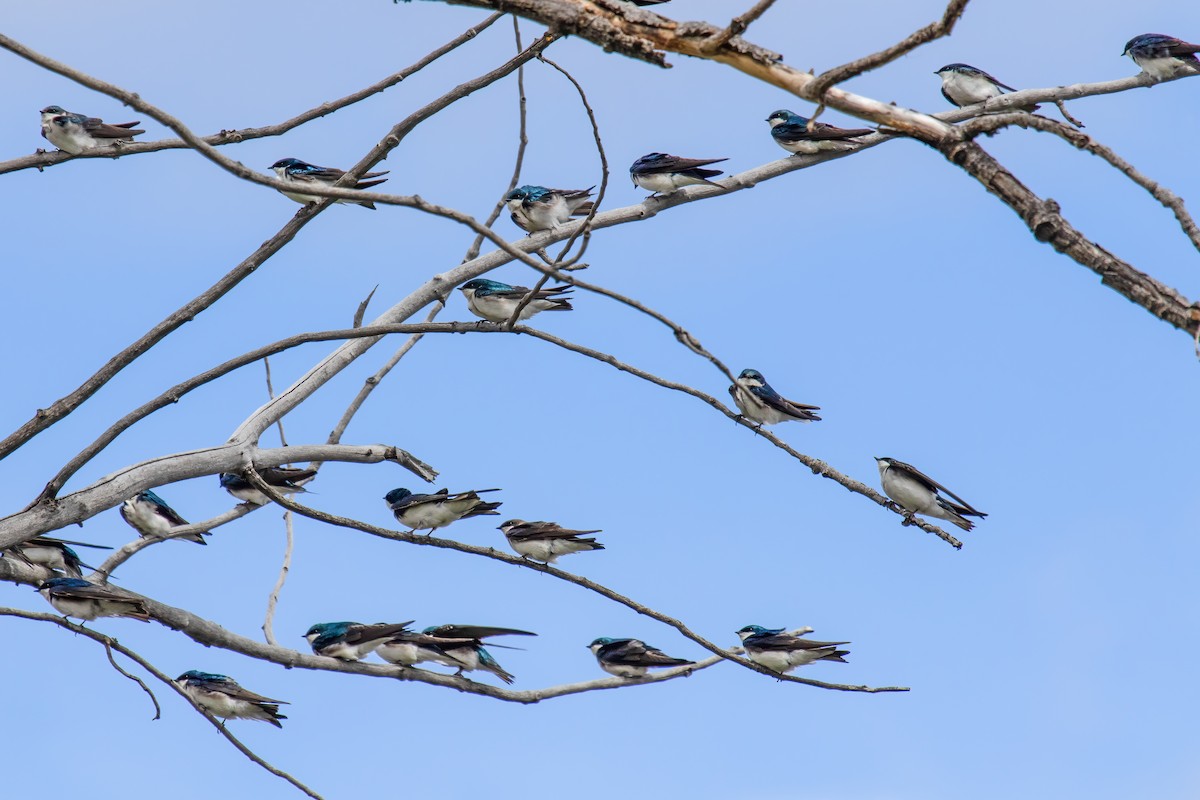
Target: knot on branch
[(1046, 222)]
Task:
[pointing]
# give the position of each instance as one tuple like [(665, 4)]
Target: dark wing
[(366, 633), (534, 531), (234, 689), (475, 632), (778, 402), (822, 130), (934, 486), (1180, 48), (285, 476), (50, 541), (314, 173), (677, 164), (99, 128)]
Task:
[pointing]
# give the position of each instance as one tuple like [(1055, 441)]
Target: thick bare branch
[(112, 489)]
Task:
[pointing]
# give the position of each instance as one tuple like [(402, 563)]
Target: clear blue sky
[(1052, 657)]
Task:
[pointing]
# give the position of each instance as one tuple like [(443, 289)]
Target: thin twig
[(737, 26), (362, 308), (583, 228), (42, 159), (934, 30), (108, 648), (109, 642), (268, 626), (130, 549), (1083, 141)]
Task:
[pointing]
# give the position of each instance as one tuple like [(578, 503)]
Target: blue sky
[(1052, 656)]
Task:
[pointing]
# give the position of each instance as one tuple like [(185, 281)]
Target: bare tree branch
[(112, 644), (738, 26), (42, 159), (1082, 141), (934, 30), (114, 488)]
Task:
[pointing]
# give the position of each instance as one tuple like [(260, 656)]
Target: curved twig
[(109, 642)]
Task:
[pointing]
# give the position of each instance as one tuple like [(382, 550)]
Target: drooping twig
[(108, 648), (109, 642)]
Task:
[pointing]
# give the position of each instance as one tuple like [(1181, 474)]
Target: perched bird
[(437, 510), (51, 553), (964, 85), (496, 301), (783, 652), (660, 173), (74, 133), (351, 641), (536, 208), (546, 541), (410, 648), (75, 597), (151, 517), (630, 658), (917, 493), (286, 480), (301, 175), (1163, 56), (222, 696), (760, 403), (464, 644), (791, 132)]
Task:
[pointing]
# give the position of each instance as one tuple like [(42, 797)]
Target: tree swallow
[(660, 173), (462, 647), (536, 208), (964, 85), (630, 658), (1163, 56), (75, 597), (546, 541), (782, 652), (917, 493), (410, 648), (496, 301), (151, 517), (760, 403), (790, 131), (286, 480), (74, 133), (50, 553), (432, 511), (222, 696), (351, 641), (300, 175)]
